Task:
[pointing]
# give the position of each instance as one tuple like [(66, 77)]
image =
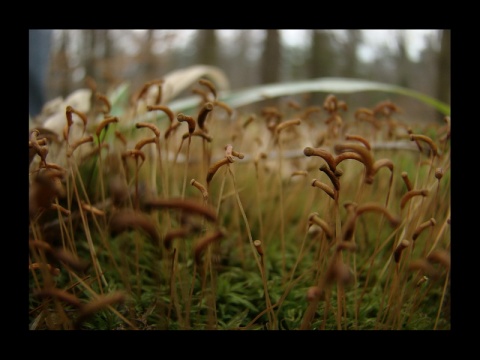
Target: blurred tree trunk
[(321, 59), (443, 84), (403, 62), (207, 44), (321, 56), (148, 57), (354, 38), (60, 83), (88, 52), (271, 57), (106, 67)]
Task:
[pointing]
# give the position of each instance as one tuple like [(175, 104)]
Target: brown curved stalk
[(105, 100), (214, 168), (59, 294), (423, 226), (364, 153), (99, 303), (224, 106), (186, 205), (163, 108), (321, 185), (204, 242), (200, 187), (424, 138), (202, 115), (285, 124), (332, 176), (315, 219), (141, 143), (173, 234), (398, 251), (189, 120), (76, 144), (209, 85), (104, 123), (411, 194), (198, 133), (359, 138), (152, 127), (324, 154), (406, 180), (125, 220)]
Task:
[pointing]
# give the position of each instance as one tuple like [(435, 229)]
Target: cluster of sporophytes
[(296, 217)]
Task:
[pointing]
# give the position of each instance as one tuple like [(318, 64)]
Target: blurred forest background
[(251, 57)]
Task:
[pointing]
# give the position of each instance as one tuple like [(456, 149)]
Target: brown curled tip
[(104, 123), (248, 121), (101, 302), (364, 153), (406, 180), (121, 137), (105, 100), (58, 294), (377, 165), (439, 173), (214, 168), (315, 293), (347, 245), (163, 108), (440, 256), (423, 226), (189, 206), (394, 221), (48, 267), (359, 138), (77, 143), (202, 115), (224, 106), (321, 185), (204, 242), (283, 125), (71, 260), (173, 234), (152, 127), (135, 153), (310, 110), (141, 143), (258, 247), (200, 187), (398, 251), (324, 154), (127, 219), (411, 194), (332, 176), (198, 133), (185, 118), (171, 129), (209, 85), (429, 141)]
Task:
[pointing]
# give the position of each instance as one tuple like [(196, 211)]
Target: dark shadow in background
[(39, 43)]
